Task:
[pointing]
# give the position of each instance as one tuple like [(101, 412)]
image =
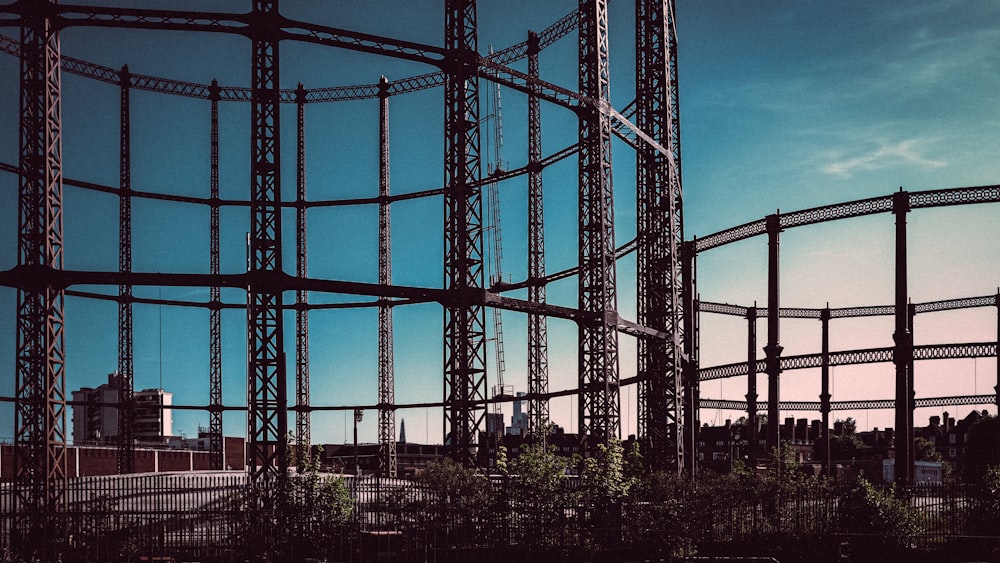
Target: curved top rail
[(513, 53), (857, 208)]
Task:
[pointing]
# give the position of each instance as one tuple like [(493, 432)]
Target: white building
[(98, 422)]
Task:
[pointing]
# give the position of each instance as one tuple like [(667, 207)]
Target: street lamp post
[(358, 414)]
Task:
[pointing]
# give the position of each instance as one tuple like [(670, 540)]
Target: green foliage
[(868, 510), (540, 472), (844, 448), (293, 516), (604, 479), (502, 466), (106, 535), (457, 492), (924, 450), (850, 425), (538, 495), (671, 516)]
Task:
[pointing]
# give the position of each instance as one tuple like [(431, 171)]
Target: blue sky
[(784, 105)]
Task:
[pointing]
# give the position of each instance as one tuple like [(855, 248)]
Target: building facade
[(95, 414)]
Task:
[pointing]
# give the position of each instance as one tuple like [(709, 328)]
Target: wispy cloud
[(886, 155)]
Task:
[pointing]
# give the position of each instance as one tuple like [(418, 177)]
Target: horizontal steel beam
[(854, 405), (856, 357)]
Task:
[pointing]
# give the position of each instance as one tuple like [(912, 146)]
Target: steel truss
[(215, 435), (464, 321), (666, 340), (303, 430), (126, 409), (386, 356), (266, 390), (40, 404), (660, 235), (873, 404), (598, 405), (538, 355)]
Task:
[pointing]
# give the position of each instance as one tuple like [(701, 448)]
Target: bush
[(876, 512)]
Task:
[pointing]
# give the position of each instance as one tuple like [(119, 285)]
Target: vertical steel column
[(996, 387), (464, 319), (303, 437), (660, 231), (386, 356), (40, 407), (126, 406), (903, 352), (215, 298), (267, 395), (599, 408), (690, 425), (824, 393), (911, 311), (538, 339), (773, 348), (753, 439)]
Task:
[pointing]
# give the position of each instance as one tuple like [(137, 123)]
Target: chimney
[(935, 421), (838, 428), (802, 429)]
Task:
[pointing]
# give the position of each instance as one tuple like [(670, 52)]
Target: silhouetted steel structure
[(386, 355), (659, 234), (215, 436), (599, 408), (40, 408), (667, 330), (303, 429), (902, 354), (126, 385), (267, 403), (464, 321), (538, 339)]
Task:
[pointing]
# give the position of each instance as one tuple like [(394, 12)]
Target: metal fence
[(222, 517)]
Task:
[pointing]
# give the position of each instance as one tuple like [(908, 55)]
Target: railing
[(219, 517)]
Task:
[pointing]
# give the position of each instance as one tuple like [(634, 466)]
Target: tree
[(842, 448), (850, 425), (924, 450), (538, 496), (457, 498), (879, 515), (294, 516)]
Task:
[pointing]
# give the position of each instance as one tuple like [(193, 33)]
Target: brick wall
[(87, 461)]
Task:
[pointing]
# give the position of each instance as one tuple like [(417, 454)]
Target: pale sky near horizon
[(784, 105)]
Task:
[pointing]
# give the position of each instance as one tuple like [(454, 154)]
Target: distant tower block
[(402, 431)]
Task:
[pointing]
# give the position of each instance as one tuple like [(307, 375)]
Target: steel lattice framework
[(386, 356), (659, 234), (538, 358), (267, 420), (215, 294), (303, 430), (667, 329), (599, 409), (464, 321), (126, 413), (40, 406)]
